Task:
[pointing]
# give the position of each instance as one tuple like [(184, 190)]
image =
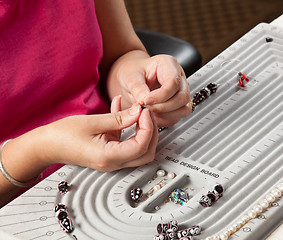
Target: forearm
[(119, 39), (22, 159)]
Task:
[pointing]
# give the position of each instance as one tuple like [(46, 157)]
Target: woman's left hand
[(158, 82)]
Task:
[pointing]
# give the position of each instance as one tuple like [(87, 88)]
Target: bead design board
[(234, 138)]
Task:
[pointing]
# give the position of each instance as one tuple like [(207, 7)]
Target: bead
[(171, 175), (179, 196), (264, 203), (160, 173), (245, 218), (270, 198), (276, 193), (252, 214), (280, 187), (194, 230), (63, 187), (205, 201), (223, 236), (136, 194), (157, 187), (215, 237), (233, 229), (219, 189), (238, 225), (258, 209), (240, 222), (162, 228), (227, 232)]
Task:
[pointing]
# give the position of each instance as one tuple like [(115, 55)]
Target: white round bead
[(238, 225), (157, 187), (258, 209), (245, 218), (264, 203), (252, 214), (276, 193), (228, 231), (280, 187), (215, 237), (171, 175), (233, 229), (240, 222), (270, 198), (223, 236), (160, 173)]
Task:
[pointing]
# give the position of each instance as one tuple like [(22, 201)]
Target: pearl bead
[(233, 229), (258, 209), (160, 173), (270, 198), (280, 187), (276, 193), (223, 236), (229, 232), (215, 237), (208, 238), (245, 218), (240, 222), (264, 203), (252, 214), (171, 175), (238, 225), (157, 187)]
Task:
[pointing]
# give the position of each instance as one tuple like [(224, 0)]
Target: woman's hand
[(94, 140), (157, 81)]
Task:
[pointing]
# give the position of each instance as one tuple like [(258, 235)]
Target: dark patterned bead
[(136, 194), (162, 228), (205, 201)]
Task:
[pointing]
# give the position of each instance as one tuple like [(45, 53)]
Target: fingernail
[(135, 109)]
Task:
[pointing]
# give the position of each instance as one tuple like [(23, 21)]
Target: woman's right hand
[(86, 140), (94, 140)]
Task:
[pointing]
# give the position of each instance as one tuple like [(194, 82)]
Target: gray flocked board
[(233, 138)]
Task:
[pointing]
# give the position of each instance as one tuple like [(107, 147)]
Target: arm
[(157, 81), (86, 140), (119, 39)]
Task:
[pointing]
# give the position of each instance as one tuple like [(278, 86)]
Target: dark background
[(210, 25)]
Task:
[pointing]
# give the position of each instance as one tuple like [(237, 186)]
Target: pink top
[(49, 56)]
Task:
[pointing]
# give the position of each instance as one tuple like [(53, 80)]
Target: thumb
[(117, 120)]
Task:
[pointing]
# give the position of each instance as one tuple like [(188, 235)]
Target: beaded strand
[(263, 204)]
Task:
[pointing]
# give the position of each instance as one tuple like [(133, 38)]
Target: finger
[(137, 145), (168, 119), (150, 154), (182, 98), (116, 104), (116, 107), (102, 123), (138, 88), (170, 76)]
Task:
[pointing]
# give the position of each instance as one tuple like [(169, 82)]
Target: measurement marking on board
[(131, 214), (35, 228)]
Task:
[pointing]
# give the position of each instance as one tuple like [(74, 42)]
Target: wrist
[(21, 158)]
